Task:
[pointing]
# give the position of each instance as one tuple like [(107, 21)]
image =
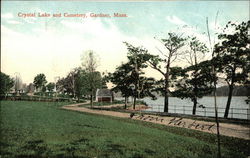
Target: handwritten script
[(179, 122)]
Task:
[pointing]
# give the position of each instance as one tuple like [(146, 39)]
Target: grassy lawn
[(41, 129)]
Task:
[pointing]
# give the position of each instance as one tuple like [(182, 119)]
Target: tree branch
[(155, 67)]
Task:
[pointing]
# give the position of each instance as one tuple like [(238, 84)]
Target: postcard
[(125, 79)]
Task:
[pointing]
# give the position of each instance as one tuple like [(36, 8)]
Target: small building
[(104, 95)]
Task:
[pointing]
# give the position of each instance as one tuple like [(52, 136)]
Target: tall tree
[(172, 43), (196, 81), (89, 64), (40, 81), (137, 59), (231, 56), (71, 81), (6, 83), (81, 84)]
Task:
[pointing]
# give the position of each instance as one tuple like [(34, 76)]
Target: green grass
[(42, 129)]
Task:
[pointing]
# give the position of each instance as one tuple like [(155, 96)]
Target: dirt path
[(226, 129)]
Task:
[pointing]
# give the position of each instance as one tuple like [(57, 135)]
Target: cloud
[(55, 52), (175, 20), (7, 16)]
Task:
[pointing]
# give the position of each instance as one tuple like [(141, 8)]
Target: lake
[(238, 107)]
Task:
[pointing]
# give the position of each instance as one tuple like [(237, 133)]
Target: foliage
[(195, 81), (172, 43), (6, 83), (93, 82), (50, 86), (122, 79), (76, 83), (93, 77), (40, 81), (128, 77), (68, 84), (231, 56), (137, 60)]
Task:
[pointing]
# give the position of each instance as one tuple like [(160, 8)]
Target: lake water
[(238, 107)]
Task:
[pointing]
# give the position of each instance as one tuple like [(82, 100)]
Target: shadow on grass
[(89, 126)]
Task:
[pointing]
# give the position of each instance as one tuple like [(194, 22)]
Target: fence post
[(174, 108), (205, 112), (183, 109)]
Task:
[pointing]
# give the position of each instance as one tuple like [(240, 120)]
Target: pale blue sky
[(54, 45)]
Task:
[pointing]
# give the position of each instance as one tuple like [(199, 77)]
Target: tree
[(196, 78), (61, 85), (173, 43), (50, 87), (30, 88), (137, 61), (94, 79), (72, 84), (196, 82), (122, 80), (71, 81), (81, 84), (128, 76), (146, 87), (6, 83), (40, 81), (18, 82), (231, 56)]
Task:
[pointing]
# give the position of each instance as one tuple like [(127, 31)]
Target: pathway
[(227, 129)]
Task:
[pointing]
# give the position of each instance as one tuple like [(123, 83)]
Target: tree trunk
[(126, 101), (166, 85), (91, 100), (195, 87), (195, 105), (134, 102), (228, 100), (166, 101), (166, 95), (135, 95)]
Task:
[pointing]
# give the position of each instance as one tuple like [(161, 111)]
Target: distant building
[(104, 95)]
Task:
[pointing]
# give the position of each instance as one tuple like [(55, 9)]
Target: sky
[(55, 45)]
